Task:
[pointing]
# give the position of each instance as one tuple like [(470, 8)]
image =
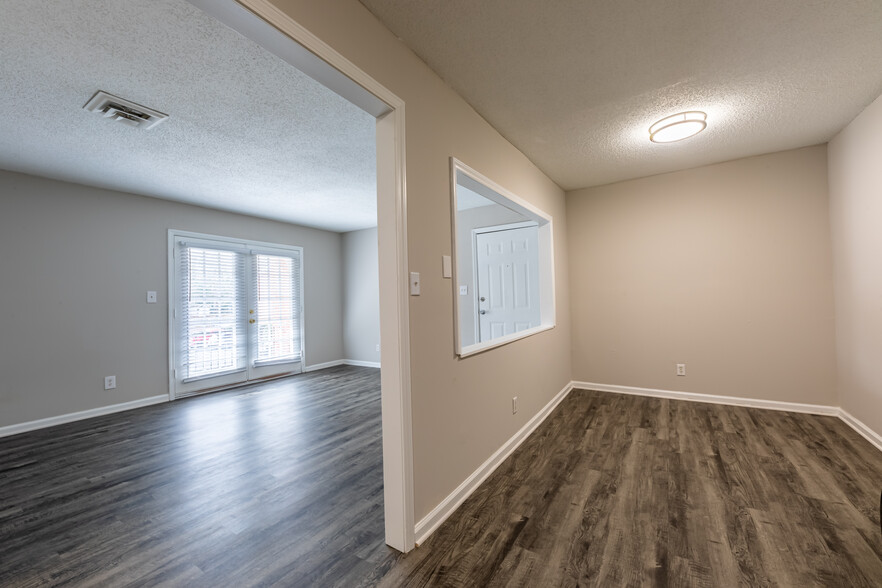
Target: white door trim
[(392, 229)]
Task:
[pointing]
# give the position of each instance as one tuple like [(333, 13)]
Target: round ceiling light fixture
[(678, 127)]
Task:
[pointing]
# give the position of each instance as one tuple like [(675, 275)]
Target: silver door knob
[(483, 299)]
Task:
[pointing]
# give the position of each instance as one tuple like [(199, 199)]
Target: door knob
[(252, 321), (483, 299), (483, 312)]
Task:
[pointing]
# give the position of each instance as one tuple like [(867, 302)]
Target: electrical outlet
[(151, 297), (378, 346), (514, 405), (681, 369), (110, 382)]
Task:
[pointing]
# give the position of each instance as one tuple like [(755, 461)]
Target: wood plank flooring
[(277, 483), (280, 484), (616, 490)]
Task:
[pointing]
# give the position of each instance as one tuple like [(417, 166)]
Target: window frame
[(496, 193)]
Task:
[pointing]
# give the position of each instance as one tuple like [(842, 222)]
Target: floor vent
[(124, 111)]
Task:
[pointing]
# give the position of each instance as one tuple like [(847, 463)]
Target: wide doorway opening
[(202, 219)]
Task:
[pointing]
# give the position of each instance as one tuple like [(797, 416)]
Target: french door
[(236, 312)]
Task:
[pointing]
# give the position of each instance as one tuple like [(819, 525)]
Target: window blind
[(277, 285), (212, 338)]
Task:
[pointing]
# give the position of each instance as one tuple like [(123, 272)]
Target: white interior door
[(237, 314), (508, 299)]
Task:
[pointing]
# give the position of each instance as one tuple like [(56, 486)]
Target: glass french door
[(237, 313)]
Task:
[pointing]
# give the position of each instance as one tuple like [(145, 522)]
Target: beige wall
[(76, 265), (855, 168), (361, 299), (461, 409), (726, 268)]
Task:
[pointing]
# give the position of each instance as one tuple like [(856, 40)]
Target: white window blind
[(213, 306), (277, 284)]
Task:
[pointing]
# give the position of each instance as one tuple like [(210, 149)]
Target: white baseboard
[(819, 409), (336, 362), (78, 416), (321, 366), (427, 525), (868, 433), (358, 362)]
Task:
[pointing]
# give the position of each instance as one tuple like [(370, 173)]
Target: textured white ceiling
[(575, 84), (247, 132)]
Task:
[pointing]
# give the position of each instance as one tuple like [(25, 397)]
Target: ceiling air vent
[(124, 111)]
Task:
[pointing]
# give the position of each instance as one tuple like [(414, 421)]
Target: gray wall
[(361, 301), (76, 265), (466, 221)]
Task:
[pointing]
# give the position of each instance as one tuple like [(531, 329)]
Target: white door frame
[(363, 90)]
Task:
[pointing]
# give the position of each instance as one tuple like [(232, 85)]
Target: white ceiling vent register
[(124, 111)]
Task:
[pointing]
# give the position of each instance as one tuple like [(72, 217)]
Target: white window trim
[(230, 244), (492, 191)]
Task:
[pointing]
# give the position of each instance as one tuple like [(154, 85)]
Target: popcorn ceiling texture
[(247, 132), (575, 84)]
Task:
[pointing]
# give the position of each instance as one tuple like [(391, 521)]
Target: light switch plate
[(414, 283), (151, 297), (446, 267)]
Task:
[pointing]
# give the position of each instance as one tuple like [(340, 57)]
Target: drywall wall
[(855, 170), (726, 268), (466, 221), (77, 263), (461, 408), (361, 299)]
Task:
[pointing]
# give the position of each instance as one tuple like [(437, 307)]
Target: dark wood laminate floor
[(616, 490), (281, 484), (277, 483)]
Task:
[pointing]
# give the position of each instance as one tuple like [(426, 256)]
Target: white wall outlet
[(110, 382), (514, 405), (681, 369), (378, 346), (464, 290), (151, 297), (414, 283)]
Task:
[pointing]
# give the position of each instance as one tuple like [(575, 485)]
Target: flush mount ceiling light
[(678, 127)]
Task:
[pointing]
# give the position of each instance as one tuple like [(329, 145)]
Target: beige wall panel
[(726, 268), (855, 160), (461, 408)]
